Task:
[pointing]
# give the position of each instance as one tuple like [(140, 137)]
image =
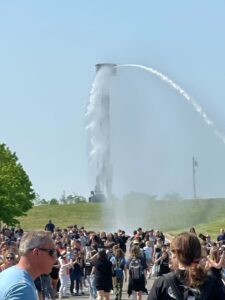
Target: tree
[(53, 201), (16, 192), (172, 196), (44, 202), (80, 199)]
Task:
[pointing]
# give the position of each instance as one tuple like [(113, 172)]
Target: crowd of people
[(59, 263)]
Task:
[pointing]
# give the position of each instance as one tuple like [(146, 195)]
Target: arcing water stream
[(182, 92)]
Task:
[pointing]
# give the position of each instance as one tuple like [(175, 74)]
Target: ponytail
[(195, 275)]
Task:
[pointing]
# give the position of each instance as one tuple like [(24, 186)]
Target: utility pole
[(194, 165)]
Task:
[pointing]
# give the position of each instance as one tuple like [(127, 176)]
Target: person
[(64, 274), (137, 267), (8, 261), (215, 262), (77, 273), (50, 226), (189, 280), (90, 277), (119, 272), (148, 251), (221, 236), (103, 275), (156, 260), (37, 256), (192, 230), (163, 261), (47, 287)]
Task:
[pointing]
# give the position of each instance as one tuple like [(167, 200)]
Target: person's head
[(114, 248), (221, 230), (119, 253), (9, 258), (102, 254), (164, 248), (159, 242), (186, 251), (135, 251), (37, 251), (151, 232), (102, 234), (110, 237), (192, 230), (208, 237), (139, 230), (157, 233), (64, 255), (187, 248), (214, 254), (147, 244)]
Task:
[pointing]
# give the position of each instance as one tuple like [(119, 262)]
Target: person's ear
[(35, 251)]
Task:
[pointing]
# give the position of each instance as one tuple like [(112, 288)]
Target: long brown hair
[(135, 251), (187, 249)]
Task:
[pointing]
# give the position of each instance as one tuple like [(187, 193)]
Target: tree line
[(69, 199)]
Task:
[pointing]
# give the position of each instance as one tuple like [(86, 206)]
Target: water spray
[(98, 125)]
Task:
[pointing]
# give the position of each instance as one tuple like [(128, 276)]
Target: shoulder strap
[(118, 262), (170, 279)]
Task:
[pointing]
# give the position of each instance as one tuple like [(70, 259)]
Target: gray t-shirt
[(17, 284)]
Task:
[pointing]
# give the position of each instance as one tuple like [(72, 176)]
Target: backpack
[(135, 268), (118, 271)]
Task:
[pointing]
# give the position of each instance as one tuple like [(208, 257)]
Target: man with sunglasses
[(37, 256)]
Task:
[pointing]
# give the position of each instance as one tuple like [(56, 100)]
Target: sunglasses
[(9, 257), (51, 252)]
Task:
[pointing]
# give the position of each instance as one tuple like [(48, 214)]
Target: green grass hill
[(206, 215)]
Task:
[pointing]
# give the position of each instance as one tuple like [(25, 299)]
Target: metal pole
[(194, 182)]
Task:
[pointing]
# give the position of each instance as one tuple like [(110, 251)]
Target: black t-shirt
[(50, 227), (103, 272), (210, 290), (164, 266)]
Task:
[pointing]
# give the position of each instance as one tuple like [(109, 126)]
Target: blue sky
[(47, 57)]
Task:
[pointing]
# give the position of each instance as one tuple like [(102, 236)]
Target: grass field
[(212, 228), (207, 216), (88, 215)]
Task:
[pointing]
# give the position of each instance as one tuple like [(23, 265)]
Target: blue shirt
[(17, 284), (221, 237)]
